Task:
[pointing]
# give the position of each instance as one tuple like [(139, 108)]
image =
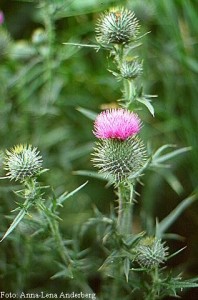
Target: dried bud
[(118, 26), (151, 252), (22, 162)]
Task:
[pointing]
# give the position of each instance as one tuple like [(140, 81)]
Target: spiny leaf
[(17, 219), (65, 196)]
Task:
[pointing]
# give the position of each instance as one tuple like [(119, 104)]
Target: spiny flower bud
[(118, 26), (151, 252), (118, 159), (119, 154), (131, 69), (22, 161)]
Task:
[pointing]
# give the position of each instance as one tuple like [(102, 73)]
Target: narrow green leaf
[(173, 236), (96, 47), (170, 155), (65, 196), (172, 217), (147, 103), (17, 219), (92, 174), (161, 149), (126, 268), (185, 284), (172, 180), (110, 259), (87, 113), (177, 252)]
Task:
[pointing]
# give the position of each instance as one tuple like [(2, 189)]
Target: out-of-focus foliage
[(44, 87)]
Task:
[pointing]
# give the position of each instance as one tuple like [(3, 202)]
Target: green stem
[(125, 209), (119, 54), (129, 91), (153, 292), (50, 29), (54, 226), (60, 245)]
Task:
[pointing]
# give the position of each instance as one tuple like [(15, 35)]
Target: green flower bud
[(39, 36), (118, 26), (151, 252), (22, 162), (118, 159), (131, 69)]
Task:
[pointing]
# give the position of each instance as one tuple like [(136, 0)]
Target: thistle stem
[(125, 209), (153, 293), (57, 236), (53, 224), (50, 29), (129, 92)]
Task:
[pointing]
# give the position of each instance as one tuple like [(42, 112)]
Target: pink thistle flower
[(1, 17), (116, 124)]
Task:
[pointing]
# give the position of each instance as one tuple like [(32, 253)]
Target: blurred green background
[(42, 85)]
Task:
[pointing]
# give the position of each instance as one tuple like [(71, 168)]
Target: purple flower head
[(1, 17), (116, 124)]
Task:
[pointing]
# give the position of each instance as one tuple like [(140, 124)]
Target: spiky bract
[(130, 69), (151, 253), (118, 159), (22, 161), (117, 26)]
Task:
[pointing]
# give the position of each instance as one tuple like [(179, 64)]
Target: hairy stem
[(154, 291), (129, 93), (125, 208), (60, 245), (54, 226), (50, 29)]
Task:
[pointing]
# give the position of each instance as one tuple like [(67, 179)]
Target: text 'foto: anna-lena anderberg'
[(43, 295)]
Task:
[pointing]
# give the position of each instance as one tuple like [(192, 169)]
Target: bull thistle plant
[(136, 262), (131, 262)]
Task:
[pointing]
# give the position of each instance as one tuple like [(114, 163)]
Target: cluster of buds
[(119, 154), (22, 162), (118, 28)]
